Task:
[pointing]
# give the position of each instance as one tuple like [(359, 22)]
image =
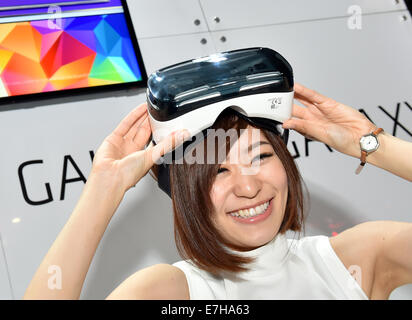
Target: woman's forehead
[(251, 139)]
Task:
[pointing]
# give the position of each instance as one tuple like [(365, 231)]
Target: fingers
[(313, 110), (298, 111), (142, 134), (314, 100), (172, 141), (131, 134), (309, 95), (304, 102), (309, 129), (127, 123)]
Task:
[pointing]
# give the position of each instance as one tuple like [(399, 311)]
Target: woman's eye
[(263, 156), (260, 157), (221, 170)]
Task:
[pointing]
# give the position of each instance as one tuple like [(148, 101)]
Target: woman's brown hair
[(196, 237)]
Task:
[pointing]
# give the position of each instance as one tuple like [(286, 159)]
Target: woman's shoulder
[(344, 240), (157, 282), (166, 281)]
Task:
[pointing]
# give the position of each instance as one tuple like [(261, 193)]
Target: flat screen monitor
[(66, 47)]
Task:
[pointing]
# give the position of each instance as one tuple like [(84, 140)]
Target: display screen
[(54, 46)]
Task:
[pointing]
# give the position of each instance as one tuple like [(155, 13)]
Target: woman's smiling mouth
[(253, 214)]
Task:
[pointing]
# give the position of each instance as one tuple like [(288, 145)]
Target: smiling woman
[(231, 216), (204, 194)]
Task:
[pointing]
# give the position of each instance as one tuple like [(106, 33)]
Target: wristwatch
[(368, 144)]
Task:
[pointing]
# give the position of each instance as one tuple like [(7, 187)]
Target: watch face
[(369, 143)]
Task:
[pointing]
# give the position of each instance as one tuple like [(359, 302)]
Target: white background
[(364, 68)]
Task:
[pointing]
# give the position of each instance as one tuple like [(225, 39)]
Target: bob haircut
[(196, 237)]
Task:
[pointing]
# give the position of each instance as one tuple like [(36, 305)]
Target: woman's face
[(247, 179)]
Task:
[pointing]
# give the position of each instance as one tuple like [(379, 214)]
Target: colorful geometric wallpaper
[(41, 56)]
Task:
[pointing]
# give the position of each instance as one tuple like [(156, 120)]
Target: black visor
[(186, 86)]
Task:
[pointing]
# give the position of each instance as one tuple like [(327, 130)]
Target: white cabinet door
[(161, 52), (327, 53), (230, 14), (157, 18)]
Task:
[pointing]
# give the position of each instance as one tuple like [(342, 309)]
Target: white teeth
[(252, 211), (259, 209)]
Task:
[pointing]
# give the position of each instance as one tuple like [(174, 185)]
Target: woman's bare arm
[(393, 155), (341, 127), (75, 246), (120, 162)]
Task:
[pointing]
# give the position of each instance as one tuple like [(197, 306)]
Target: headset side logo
[(275, 102)]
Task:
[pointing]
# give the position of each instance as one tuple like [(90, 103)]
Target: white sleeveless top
[(307, 268)]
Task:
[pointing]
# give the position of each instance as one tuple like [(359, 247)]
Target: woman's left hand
[(325, 120)]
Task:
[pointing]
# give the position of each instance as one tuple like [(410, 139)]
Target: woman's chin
[(254, 241)]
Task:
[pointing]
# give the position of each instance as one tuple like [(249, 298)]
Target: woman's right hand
[(122, 159)]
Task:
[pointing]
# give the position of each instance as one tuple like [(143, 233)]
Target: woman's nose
[(246, 184)]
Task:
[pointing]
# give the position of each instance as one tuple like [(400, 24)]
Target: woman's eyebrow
[(256, 144)]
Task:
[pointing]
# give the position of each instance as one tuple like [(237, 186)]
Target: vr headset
[(255, 83)]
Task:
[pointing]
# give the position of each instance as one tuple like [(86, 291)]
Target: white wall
[(365, 68)]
